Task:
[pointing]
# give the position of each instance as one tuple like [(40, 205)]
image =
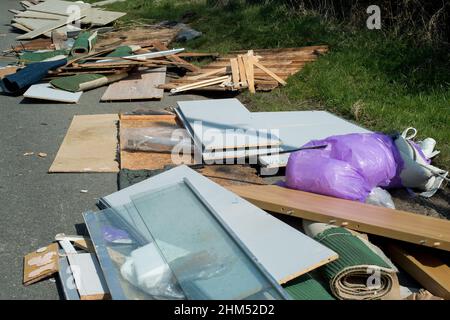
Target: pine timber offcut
[(390, 223)]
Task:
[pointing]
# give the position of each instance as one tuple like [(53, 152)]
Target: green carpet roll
[(359, 273), (307, 287)]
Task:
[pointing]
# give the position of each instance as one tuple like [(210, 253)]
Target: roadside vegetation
[(385, 80)]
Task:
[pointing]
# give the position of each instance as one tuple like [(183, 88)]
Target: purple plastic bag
[(349, 167)]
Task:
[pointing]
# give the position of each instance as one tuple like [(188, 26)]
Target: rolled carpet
[(84, 43), (31, 74), (84, 82), (360, 273), (306, 287)]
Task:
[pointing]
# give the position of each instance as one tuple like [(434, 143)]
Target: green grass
[(381, 82)]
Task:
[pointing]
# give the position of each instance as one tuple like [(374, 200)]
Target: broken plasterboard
[(45, 91), (140, 85), (283, 251), (40, 264), (90, 145)]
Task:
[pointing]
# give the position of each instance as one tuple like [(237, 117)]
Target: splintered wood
[(257, 70)]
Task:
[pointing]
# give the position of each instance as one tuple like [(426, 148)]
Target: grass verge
[(382, 82)]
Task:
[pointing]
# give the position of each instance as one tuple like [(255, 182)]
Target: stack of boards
[(41, 17), (225, 129), (257, 70)]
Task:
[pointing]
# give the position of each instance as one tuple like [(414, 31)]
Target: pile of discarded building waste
[(215, 201)]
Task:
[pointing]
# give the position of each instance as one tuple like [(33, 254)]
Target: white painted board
[(88, 276), (297, 128), (45, 91), (214, 123), (284, 252)]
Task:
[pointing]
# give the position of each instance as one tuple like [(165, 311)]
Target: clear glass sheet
[(117, 235), (206, 261)]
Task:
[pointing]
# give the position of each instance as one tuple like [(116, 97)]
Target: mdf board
[(423, 265), (390, 223), (134, 160), (45, 91), (90, 145), (140, 85), (282, 250), (88, 276), (223, 124)]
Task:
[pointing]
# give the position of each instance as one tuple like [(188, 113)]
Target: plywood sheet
[(45, 91), (40, 264), (90, 145), (395, 224), (140, 85), (283, 251), (146, 160)]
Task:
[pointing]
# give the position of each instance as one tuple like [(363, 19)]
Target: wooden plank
[(161, 47), (146, 160), (423, 265), (235, 70), (54, 24), (248, 65), (270, 73), (199, 84), (395, 224), (242, 73), (37, 15), (40, 264), (207, 74), (140, 85), (90, 145)]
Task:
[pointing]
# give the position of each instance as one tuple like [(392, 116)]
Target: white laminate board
[(284, 251), (45, 91), (223, 124), (58, 7), (88, 276), (297, 128)]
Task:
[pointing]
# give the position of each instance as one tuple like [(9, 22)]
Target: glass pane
[(118, 240), (206, 261)]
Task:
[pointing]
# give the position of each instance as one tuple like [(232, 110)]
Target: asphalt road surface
[(35, 205)]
